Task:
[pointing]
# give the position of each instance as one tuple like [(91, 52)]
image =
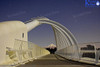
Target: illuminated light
[(97, 3)]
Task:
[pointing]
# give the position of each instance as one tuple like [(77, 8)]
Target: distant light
[(97, 3)]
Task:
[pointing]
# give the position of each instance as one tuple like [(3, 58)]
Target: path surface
[(53, 60)]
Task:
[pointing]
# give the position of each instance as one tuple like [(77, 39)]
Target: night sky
[(83, 22)]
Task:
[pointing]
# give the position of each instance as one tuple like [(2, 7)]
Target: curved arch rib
[(64, 37)]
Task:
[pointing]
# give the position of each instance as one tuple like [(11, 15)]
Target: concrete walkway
[(53, 60)]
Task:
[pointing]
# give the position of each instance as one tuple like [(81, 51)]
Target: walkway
[(53, 60)]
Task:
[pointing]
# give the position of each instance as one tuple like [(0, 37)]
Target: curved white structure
[(65, 41), (14, 42), (9, 31), (32, 25)]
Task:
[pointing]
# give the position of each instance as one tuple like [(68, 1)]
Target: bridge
[(16, 50)]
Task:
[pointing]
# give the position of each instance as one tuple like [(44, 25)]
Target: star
[(97, 3)]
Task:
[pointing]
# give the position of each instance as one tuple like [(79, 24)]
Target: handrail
[(23, 52)]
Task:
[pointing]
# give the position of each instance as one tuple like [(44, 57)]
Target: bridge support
[(9, 31)]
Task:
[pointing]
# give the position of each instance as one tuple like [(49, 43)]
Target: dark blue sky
[(83, 22)]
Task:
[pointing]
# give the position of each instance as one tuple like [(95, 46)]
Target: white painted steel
[(13, 42), (64, 38), (65, 41), (32, 25)]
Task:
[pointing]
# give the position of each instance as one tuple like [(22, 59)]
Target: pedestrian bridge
[(17, 50)]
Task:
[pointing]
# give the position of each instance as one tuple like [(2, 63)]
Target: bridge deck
[(53, 60)]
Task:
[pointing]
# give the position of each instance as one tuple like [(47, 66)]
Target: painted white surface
[(9, 31), (32, 25)]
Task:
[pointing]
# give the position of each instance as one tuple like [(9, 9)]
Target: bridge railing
[(90, 53), (69, 52), (23, 52)]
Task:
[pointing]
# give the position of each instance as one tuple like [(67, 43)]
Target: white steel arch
[(65, 41)]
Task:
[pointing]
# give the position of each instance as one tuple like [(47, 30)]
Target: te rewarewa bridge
[(17, 51)]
